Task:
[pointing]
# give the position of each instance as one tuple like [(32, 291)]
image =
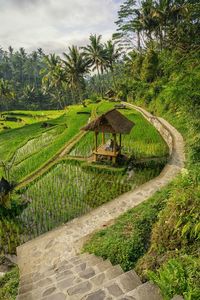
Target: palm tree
[(6, 92), (146, 18), (76, 65), (40, 52), (54, 78), (10, 50), (112, 55), (138, 27), (96, 55)]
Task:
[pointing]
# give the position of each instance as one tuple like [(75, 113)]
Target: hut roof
[(5, 186), (112, 122)]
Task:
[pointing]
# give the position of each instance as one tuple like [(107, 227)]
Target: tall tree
[(96, 55), (54, 79), (6, 93), (129, 25), (76, 65), (112, 55)]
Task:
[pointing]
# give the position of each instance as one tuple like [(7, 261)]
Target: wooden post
[(103, 138), (96, 141), (114, 160), (115, 144), (96, 146)]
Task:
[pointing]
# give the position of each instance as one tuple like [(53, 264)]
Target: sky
[(55, 24)]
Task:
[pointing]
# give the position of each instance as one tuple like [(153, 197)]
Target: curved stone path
[(38, 256)]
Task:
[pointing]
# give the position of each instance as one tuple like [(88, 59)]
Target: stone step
[(146, 291), (44, 268), (75, 264), (79, 290), (89, 258), (69, 277), (85, 277), (114, 289)]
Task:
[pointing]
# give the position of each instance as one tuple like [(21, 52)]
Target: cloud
[(55, 24)]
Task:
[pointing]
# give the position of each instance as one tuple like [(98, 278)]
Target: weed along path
[(38, 256)]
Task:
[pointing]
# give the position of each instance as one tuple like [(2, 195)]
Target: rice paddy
[(17, 119), (24, 147), (65, 192), (143, 142)]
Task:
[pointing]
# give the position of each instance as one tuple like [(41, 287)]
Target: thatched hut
[(114, 123)]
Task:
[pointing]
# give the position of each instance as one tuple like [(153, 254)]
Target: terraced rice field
[(28, 148), (71, 187)]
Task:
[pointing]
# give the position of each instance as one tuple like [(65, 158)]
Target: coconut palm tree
[(112, 55), (54, 79), (76, 65), (96, 55)]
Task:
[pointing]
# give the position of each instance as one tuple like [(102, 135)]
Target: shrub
[(180, 276), (177, 231)]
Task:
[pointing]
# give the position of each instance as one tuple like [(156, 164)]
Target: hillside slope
[(168, 224)]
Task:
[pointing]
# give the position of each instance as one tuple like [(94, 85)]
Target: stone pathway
[(41, 256)]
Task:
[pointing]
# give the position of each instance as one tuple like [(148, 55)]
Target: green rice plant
[(9, 235), (144, 141), (36, 144), (69, 189), (84, 147), (12, 140)]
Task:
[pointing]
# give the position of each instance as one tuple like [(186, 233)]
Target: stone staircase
[(84, 277)]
